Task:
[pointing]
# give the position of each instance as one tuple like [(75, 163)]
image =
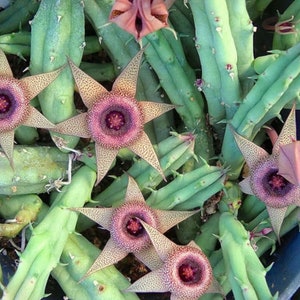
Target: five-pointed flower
[(15, 108), (114, 119), (184, 271), (139, 17), (266, 182), (126, 230)]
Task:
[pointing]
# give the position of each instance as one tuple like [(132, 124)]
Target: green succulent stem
[(245, 272), (48, 238)]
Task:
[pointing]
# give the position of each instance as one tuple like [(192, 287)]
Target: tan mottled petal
[(143, 148), (161, 243), (101, 216), (152, 282), (5, 69), (133, 192), (74, 126), (110, 255), (276, 218), (153, 110), (89, 89), (36, 119), (169, 218), (251, 152), (7, 144), (104, 160), (288, 132), (149, 257), (33, 85), (126, 82)]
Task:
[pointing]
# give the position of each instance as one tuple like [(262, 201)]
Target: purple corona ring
[(114, 119), (127, 232), (271, 178), (185, 271), (15, 108)]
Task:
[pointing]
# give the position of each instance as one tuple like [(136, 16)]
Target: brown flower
[(185, 271), (115, 119), (127, 233), (15, 108), (139, 17)]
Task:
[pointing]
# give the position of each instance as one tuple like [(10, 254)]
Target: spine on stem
[(57, 33), (77, 256), (17, 14), (212, 20)]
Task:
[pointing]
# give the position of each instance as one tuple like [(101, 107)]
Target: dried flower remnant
[(185, 271), (139, 17), (127, 233), (267, 180), (114, 119), (15, 108)]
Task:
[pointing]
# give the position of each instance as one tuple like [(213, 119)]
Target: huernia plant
[(114, 119), (127, 233)]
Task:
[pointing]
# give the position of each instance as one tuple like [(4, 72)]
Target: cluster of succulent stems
[(162, 142)]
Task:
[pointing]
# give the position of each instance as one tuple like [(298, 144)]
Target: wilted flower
[(15, 108), (267, 180), (127, 233), (115, 119)]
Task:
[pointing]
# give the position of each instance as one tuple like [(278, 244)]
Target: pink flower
[(185, 271), (114, 119), (268, 178), (127, 232), (139, 17)]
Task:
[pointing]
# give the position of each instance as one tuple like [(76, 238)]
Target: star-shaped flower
[(15, 108), (114, 119), (266, 182), (126, 230), (139, 17), (185, 271)]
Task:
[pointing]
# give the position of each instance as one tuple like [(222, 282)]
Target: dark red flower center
[(276, 184), (5, 103), (189, 272), (134, 227), (115, 120)]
